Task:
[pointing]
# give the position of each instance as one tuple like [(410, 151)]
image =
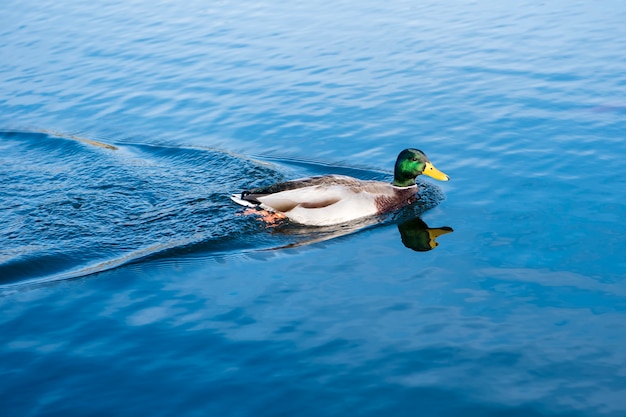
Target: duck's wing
[(313, 192)]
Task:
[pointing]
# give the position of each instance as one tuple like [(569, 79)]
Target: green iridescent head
[(410, 164)]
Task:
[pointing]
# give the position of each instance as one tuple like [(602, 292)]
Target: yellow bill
[(435, 233), (433, 172)]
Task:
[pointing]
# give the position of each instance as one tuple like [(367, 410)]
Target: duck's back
[(330, 199)]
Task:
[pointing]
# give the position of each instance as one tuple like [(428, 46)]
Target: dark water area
[(130, 283)]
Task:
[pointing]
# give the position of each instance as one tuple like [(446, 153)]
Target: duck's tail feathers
[(237, 199)]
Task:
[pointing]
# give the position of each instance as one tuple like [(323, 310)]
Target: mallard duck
[(333, 199)]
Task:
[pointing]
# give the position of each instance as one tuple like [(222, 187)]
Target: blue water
[(130, 284)]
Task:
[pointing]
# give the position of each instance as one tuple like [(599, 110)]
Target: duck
[(334, 199)]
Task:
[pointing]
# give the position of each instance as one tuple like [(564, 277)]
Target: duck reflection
[(416, 234)]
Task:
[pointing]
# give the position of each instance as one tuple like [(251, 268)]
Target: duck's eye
[(414, 159)]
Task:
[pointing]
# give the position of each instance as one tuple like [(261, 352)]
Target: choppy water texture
[(130, 284), (75, 206)]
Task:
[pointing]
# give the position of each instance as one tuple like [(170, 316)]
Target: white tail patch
[(237, 199)]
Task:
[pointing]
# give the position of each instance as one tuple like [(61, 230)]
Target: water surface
[(130, 285)]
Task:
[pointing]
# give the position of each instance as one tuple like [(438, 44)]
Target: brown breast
[(402, 197)]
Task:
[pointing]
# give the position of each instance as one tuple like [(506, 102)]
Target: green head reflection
[(416, 234)]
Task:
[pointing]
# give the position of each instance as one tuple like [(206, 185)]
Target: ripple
[(78, 206), (74, 208)]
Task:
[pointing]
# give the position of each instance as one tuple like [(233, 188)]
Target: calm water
[(131, 285)]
